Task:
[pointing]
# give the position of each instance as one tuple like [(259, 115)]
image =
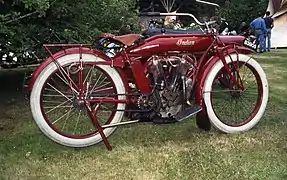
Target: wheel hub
[(79, 104), (236, 94)]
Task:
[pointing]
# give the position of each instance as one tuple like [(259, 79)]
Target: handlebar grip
[(150, 14)]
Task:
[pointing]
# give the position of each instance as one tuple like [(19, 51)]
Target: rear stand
[(96, 123)]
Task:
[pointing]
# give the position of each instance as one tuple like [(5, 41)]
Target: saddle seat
[(128, 39)]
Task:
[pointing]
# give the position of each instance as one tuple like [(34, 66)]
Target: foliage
[(236, 11), (28, 24)]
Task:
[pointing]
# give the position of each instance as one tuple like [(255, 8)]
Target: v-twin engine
[(169, 77)]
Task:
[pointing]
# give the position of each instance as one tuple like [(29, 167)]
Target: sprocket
[(146, 102)]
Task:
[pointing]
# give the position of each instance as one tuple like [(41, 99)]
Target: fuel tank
[(172, 42)]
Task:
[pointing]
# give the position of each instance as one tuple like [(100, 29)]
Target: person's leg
[(264, 42), (269, 39), (261, 39), (257, 39)]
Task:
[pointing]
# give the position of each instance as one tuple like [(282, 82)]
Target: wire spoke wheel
[(61, 111), (230, 108)]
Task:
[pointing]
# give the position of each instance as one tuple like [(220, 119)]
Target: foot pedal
[(159, 120), (187, 113)]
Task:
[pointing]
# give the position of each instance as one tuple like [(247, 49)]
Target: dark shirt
[(268, 22)]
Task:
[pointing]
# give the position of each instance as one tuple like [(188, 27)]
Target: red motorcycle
[(79, 95)]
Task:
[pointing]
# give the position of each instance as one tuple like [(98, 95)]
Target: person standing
[(259, 26), (269, 22)]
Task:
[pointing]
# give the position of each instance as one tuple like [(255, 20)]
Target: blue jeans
[(259, 34), (268, 39)]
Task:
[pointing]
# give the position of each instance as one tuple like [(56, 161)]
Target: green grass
[(176, 151)]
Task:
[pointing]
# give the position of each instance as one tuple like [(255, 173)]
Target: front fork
[(236, 79)]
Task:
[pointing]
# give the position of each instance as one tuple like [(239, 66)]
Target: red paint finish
[(132, 61), (230, 40), (140, 77), (163, 43), (199, 44)]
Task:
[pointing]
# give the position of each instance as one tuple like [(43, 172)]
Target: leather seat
[(128, 39), (156, 31)]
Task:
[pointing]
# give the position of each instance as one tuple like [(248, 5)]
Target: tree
[(27, 24), (237, 11)]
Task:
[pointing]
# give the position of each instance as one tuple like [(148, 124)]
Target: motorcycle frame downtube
[(140, 79)]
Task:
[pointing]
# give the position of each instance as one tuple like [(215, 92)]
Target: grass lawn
[(178, 151)]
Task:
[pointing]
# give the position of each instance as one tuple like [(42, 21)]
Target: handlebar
[(150, 14), (178, 14), (206, 2)]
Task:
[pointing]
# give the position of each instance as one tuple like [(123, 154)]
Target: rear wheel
[(60, 114), (230, 109)]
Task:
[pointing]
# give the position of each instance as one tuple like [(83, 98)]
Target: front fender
[(68, 51), (237, 49)]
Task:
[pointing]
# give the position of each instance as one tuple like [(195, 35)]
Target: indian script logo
[(182, 42)]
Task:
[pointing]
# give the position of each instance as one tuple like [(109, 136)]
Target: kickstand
[(97, 124)]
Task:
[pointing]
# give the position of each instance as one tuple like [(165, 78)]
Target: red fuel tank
[(175, 42)]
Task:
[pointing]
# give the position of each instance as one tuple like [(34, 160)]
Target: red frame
[(207, 48)]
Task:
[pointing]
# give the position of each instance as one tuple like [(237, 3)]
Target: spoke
[(64, 80), (105, 107), (246, 77), (61, 117), (77, 121), (57, 106), (243, 106), (245, 67), (100, 83), (250, 93), (219, 91), (99, 86), (96, 82), (90, 78), (88, 75), (59, 92), (245, 70), (45, 101), (69, 84), (52, 90), (71, 109), (100, 117), (49, 107), (249, 109), (104, 89), (51, 95), (253, 83), (70, 79), (102, 86)]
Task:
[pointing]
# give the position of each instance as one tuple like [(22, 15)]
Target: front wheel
[(229, 108), (59, 112)]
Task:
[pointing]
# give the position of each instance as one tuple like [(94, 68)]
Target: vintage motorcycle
[(79, 95)]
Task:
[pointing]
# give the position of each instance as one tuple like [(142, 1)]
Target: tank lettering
[(182, 42)]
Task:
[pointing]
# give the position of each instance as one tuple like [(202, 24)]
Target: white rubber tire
[(216, 122), (36, 94)]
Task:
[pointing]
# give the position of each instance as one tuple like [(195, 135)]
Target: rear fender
[(46, 62)]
